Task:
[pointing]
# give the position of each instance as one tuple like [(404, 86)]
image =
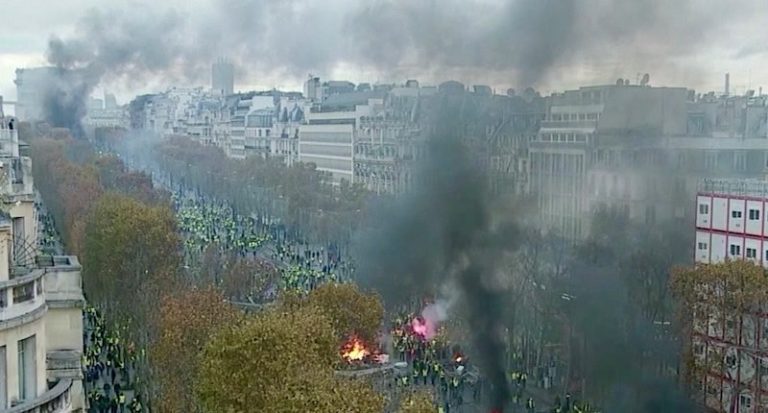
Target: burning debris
[(355, 351)]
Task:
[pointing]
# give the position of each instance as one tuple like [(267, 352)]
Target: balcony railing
[(21, 299), (57, 399), (569, 124)]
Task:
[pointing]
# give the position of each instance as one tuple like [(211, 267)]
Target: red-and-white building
[(732, 223)]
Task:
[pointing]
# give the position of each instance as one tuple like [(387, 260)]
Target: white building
[(640, 150), (732, 221), (41, 301), (31, 86), (327, 137), (732, 224)]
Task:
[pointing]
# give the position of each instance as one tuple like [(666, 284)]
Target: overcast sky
[(550, 44)]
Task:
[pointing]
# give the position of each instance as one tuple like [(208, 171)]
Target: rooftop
[(735, 187)]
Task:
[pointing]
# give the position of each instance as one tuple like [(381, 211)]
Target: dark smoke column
[(442, 234)]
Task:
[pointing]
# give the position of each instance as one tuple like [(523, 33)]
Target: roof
[(351, 99)]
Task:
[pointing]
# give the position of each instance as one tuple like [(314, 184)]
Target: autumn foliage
[(279, 361), (417, 402), (350, 310), (131, 256), (187, 320), (716, 300)]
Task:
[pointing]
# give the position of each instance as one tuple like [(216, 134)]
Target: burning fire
[(458, 358), (354, 350)]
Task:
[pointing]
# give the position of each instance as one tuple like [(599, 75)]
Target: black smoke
[(64, 96), (506, 43), (445, 234)]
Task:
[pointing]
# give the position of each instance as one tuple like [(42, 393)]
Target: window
[(27, 368), (740, 161), (703, 209), (24, 292), (702, 245), (754, 214), (710, 161), (736, 214), (751, 253), (745, 402), (735, 250)]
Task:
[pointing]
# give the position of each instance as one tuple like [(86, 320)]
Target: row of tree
[(204, 354), (300, 195)]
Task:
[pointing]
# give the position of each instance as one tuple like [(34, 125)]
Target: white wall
[(737, 242), (755, 244), (10, 338), (736, 218), (703, 204), (718, 248), (720, 213), (755, 226)]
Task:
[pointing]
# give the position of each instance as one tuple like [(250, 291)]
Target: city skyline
[(682, 61)]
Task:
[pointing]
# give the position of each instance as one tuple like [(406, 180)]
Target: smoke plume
[(507, 43), (444, 233)]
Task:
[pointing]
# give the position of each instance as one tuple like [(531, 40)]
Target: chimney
[(727, 84)]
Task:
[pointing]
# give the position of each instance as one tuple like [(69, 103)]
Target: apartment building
[(41, 300), (640, 150), (731, 224), (327, 137)]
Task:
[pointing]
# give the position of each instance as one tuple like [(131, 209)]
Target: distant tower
[(727, 84), (223, 77)]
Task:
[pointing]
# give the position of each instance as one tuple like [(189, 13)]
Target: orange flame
[(354, 350)]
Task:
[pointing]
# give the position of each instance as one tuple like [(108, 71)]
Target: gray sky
[(552, 44)]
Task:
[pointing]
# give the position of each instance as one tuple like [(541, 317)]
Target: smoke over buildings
[(445, 234), (515, 43)]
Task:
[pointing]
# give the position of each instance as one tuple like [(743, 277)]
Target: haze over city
[(687, 43), (385, 206)]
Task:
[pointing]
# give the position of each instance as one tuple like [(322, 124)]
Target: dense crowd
[(204, 221), (435, 365), (109, 367)]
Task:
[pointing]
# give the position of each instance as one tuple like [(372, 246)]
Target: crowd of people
[(204, 221), (435, 365), (109, 367)]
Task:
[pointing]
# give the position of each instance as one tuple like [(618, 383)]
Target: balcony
[(21, 299), (571, 124), (52, 281), (57, 399)]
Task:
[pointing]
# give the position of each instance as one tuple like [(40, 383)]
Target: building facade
[(640, 150), (731, 224), (31, 86), (223, 78), (327, 137), (41, 300)]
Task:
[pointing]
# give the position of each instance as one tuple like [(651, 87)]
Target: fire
[(459, 358), (354, 350)]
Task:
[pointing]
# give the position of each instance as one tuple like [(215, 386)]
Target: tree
[(350, 310), (187, 320), (716, 303), (279, 361), (131, 256), (420, 402)]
